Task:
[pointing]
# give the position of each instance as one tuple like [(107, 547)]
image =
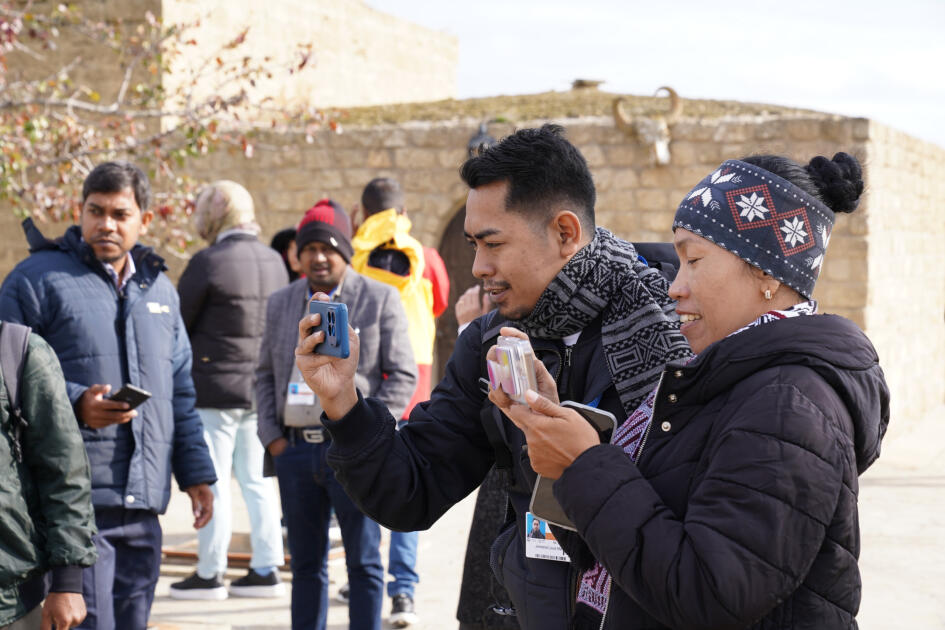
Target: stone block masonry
[(882, 270)]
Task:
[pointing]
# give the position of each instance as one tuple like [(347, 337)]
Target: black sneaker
[(344, 594), (254, 585), (401, 611), (195, 587)]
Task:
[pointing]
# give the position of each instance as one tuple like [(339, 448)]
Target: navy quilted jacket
[(741, 511), (64, 294)]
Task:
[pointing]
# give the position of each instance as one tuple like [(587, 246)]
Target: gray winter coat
[(386, 367)]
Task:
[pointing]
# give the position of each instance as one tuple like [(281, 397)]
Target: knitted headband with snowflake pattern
[(763, 219)]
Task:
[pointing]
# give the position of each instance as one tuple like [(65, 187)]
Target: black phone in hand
[(132, 395), (543, 504)]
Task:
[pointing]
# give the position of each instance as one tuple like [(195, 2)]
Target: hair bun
[(840, 181)]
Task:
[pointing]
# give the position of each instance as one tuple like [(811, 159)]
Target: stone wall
[(881, 270), (905, 297), (356, 49), (635, 197), (361, 56), (875, 261)]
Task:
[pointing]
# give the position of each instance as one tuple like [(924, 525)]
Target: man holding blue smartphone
[(289, 422)]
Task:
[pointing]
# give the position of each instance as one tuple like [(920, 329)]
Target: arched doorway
[(458, 257)]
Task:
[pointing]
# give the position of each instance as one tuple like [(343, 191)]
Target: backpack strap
[(659, 256), (14, 340)]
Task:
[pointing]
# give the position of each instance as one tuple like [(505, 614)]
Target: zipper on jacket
[(603, 616), (565, 386), (557, 375), (574, 584), (649, 427), (120, 331)]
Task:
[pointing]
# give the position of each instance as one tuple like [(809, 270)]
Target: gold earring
[(767, 294)]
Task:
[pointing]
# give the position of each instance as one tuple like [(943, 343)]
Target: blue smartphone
[(335, 326)]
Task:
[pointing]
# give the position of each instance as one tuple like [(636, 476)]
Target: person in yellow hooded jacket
[(385, 251)]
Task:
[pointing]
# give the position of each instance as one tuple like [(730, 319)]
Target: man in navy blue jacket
[(103, 304)]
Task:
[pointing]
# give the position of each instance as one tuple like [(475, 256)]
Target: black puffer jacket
[(223, 295), (742, 511), (407, 479)]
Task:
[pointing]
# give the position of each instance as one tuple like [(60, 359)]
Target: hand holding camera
[(530, 370), (512, 367), (555, 434)]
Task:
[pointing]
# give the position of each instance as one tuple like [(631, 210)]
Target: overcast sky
[(881, 60)]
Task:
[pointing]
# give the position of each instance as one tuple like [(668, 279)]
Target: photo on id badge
[(540, 542), (300, 394)]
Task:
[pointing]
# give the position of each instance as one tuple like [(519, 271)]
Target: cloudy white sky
[(882, 60)]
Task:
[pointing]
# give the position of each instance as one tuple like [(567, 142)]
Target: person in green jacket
[(46, 517)]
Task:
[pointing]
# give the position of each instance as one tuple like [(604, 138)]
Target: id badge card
[(540, 543), (300, 394)]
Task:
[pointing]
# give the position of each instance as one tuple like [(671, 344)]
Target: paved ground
[(902, 517), (902, 522), (440, 565)]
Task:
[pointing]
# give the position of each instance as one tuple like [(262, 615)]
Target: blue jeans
[(119, 588), (309, 490), (401, 563), (402, 558), (231, 436)]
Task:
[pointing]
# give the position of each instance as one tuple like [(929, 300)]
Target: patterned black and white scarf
[(639, 326)]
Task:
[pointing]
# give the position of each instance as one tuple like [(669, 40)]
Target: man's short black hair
[(382, 193), (112, 177), (543, 170)]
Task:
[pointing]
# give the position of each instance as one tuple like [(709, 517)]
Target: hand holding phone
[(602, 420), (329, 369), (543, 503), (334, 323), (132, 395), (97, 410)]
